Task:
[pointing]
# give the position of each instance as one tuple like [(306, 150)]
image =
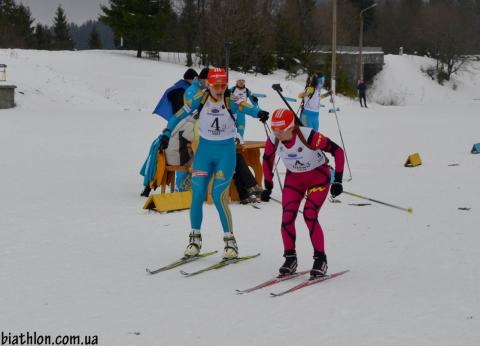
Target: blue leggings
[(310, 119), (241, 123), (218, 159)]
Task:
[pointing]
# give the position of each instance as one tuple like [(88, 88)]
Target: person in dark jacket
[(175, 96), (362, 88)]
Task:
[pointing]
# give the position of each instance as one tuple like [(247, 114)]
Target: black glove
[(254, 99), (164, 140), (263, 116), (336, 189), (265, 196)]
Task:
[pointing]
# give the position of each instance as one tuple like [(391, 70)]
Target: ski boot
[(255, 190), (231, 249), (146, 191), (290, 265), (249, 199), (319, 265), (194, 245)]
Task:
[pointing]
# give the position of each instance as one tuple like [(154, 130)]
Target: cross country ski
[(309, 282), (223, 263), (181, 261), (273, 281)]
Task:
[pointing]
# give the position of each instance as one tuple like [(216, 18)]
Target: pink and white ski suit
[(308, 173)]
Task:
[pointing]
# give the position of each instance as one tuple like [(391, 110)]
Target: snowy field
[(74, 240)]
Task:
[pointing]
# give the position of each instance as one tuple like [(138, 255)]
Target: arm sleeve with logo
[(325, 144)]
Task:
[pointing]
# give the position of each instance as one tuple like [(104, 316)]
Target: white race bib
[(216, 123), (300, 158)]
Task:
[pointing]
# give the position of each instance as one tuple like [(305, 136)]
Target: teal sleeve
[(244, 107), (184, 112)]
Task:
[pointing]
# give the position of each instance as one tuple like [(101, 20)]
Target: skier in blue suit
[(241, 93), (215, 156), (311, 98)]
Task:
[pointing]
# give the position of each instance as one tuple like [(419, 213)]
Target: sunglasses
[(218, 86)]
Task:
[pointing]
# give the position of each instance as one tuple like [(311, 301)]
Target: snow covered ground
[(74, 241)]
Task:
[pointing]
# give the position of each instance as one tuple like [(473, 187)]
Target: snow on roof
[(350, 50)]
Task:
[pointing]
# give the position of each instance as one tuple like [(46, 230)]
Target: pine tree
[(16, 29), (141, 23), (61, 36), (43, 37), (94, 40)]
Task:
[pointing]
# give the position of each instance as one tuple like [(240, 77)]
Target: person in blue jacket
[(172, 99), (215, 155)]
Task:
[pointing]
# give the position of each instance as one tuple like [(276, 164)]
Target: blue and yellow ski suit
[(311, 105), (216, 152)]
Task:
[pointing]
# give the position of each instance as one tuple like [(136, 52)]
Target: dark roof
[(350, 50)]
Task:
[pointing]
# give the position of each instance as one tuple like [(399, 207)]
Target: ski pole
[(278, 89), (341, 137), (408, 210), (267, 131)]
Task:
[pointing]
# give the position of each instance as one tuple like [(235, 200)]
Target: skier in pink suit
[(308, 174)]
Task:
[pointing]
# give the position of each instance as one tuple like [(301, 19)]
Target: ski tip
[(273, 295), (184, 273), (342, 272), (148, 271), (239, 292)]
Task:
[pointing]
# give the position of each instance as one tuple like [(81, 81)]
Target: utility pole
[(227, 56), (360, 43)]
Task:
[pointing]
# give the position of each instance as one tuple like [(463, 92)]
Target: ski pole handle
[(278, 89), (408, 210)]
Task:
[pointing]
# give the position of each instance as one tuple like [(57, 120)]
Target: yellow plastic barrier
[(413, 160), (169, 201)]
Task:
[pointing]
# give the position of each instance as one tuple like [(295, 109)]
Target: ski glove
[(336, 189), (265, 196), (164, 140), (263, 116)]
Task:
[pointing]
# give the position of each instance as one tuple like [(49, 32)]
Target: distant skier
[(215, 155), (311, 98), (247, 188), (362, 91), (308, 174), (241, 93)]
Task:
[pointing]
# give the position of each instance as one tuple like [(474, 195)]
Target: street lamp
[(360, 44), (227, 55), (334, 47)]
